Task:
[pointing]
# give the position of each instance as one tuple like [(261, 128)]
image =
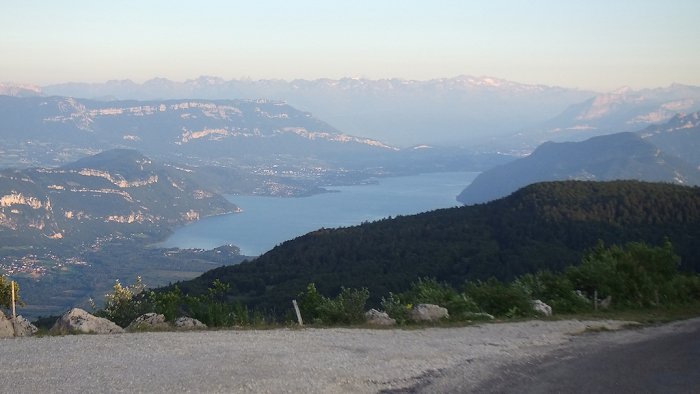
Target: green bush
[(310, 303), (681, 289), (499, 299), (634, 275), (395, 308), (347, 308), (430, 291), (556, 290), (125, 303), (213, 309), (169, 303), (6, 293)]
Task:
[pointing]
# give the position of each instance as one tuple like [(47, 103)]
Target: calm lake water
[(268, 221)]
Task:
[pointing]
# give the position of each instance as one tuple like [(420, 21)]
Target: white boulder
[(542, 308), (428, 313), (78, 321), (188, 323), (148, 322), (378, 318)]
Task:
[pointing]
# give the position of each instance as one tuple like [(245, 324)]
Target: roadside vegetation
[(633, 281)]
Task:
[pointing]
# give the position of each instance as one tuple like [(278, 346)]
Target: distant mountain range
[(463, 109), (621, 110), (236, 146), (665, 153), (476, 111), (202, 128), (117, 192), (9, 89)]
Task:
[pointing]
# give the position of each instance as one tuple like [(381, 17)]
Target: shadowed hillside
[(542, 226)]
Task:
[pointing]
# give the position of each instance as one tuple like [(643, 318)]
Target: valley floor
[(303, 360)]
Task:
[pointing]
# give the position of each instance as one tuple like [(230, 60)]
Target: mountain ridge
[(203, 128), (462, 109), (622, 110), (608, 157)]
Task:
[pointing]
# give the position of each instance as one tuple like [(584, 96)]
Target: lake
[(268, 221)]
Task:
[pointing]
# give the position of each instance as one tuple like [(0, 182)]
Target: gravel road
[(287, 360)]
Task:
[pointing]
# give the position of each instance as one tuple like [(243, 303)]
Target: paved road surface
[(458, 359), (668, 362)]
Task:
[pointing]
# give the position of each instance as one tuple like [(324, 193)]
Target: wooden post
[(595, 300), (14, 315), (296, 309)]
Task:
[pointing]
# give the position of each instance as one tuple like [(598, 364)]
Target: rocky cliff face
[(116, 191)]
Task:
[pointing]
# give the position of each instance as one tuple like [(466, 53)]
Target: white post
[(296, 309), (14, 315)]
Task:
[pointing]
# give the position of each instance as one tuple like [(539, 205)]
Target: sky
[(593, 44)]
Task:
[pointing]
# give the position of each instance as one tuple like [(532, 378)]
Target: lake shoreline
[(267, 221)]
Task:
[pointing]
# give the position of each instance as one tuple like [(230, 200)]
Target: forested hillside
[(543, 226)]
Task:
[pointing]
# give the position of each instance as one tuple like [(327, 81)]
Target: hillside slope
[(117, 192), (543, 226), (680, 137), (604, 158)]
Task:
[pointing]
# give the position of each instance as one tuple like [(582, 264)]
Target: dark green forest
[(545, 226)]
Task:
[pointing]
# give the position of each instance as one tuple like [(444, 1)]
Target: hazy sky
[(593, 44)]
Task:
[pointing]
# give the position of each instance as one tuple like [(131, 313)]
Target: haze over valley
[(267, 147), (168, 166)]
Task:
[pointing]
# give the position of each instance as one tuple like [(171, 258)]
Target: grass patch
[(646, 316)]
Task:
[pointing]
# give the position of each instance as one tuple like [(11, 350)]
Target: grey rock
[(79, 321), (428, 313), (378, 318), (148, 322), (188, 323), (542, 308), (23, 327), (605, 303)]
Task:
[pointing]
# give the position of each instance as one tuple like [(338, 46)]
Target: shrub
[(6, 293), (396, 309), (125, 303), (347, 308), (212, 308), (430, 291), (556, 290), (499, 299), (682, 289), (634, 275), (169, 304), (310, 303)]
